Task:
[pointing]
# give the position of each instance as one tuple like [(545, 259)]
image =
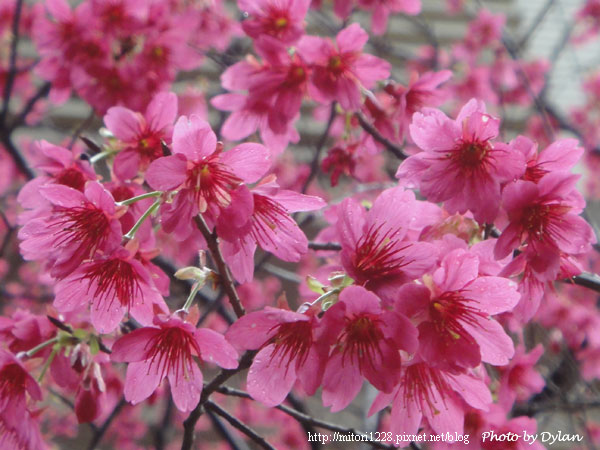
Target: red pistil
[(211, 182), (419, 382), (171, 351), (360, 340), (471, 156), (377, 255), (448, 310), (85, 225), (292, 342), (114, 277)]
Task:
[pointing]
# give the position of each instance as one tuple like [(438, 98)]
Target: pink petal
[(270, 379), (214, 348), (126, 164), (162, 111), (351, 39), (194, 138), (167, 172), (140, 381), (341, 383), (495, 345), (123, 123), (494, 295), (248, 161), (64, 196), (133, 347), (186, 389)]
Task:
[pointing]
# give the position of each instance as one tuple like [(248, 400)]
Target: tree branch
[(99, 434), (305, 418), (314, 165), (239, 425), (224, 273), (333, 246), (395, 149), (189, 424)]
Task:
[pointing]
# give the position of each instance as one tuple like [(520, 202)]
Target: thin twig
[(395, 149), (314, 165), (239, 425), (536, 22), (305, 418), (224, 273), (334, 246), (42, 92), (189, 424), (99, 434), (233, 441)]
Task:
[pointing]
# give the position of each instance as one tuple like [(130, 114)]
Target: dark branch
[(314, 165), (334, 246), (99, 434), (395, 149), (239, 425), (224, 273)]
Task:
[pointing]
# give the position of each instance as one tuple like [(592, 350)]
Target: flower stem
[(191, 297), (131, 233), (39, 347), (48, 362), (132, 200)]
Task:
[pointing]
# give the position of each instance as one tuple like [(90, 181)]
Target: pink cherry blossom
[(367, 342), (453, 312), (141, 136), (440, 397), (545, 217), (459, 165), (204, 176), (340, 70), (77, 226), (269, 225), (168, 350), (289, 349), (375, 249), (284, 20), (112, 285)]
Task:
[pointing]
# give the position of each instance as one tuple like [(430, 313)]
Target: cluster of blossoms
[(422, 284)]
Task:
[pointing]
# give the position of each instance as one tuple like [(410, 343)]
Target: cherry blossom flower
[(290, 349), (459, 165), (141, 136), (284, 20), (545, 216), (453, 312), (270, 226), (112, 285), (367, 341), (78, 225), (440, 397), (168, 350), (204, 176), (340, 70), (375, 252)]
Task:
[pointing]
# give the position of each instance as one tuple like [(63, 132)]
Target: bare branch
[(395, 149), (239, 425), (314, 165), (224, 273)]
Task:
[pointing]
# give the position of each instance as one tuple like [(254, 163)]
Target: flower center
[(86, 226), (360, 340), (377, 255), (446, 312), (539, 220), (114, 278), (171, 353), (419, 383), (12, 382), (71, 177), (292, 342), (212, 183), (470, 155)]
